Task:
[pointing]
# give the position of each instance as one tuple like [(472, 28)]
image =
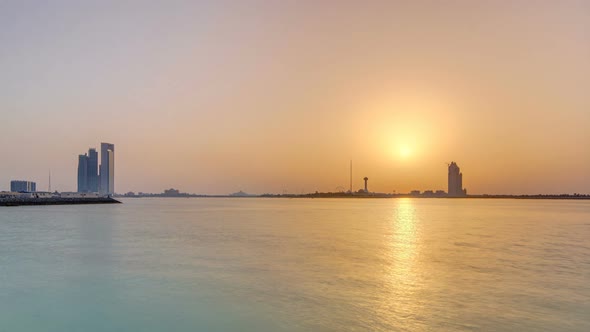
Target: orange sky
[(215, 98)]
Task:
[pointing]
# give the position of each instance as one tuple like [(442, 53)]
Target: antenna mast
[(49, 187), (351, 176)]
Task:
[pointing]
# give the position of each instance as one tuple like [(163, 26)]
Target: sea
[(278, 264)]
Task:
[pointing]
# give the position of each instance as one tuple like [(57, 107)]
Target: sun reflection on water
[(404, 240), (403, 274)]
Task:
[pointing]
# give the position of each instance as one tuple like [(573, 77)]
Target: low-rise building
[(22, 186)]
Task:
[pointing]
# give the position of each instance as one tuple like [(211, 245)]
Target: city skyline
[(86, 177), (217, 97)]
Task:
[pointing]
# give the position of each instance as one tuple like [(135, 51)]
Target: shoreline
[(378, 196)]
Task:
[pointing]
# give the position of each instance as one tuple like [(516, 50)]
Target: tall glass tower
[(92, 180), (107, 169), (88, 172), (82, 173), (455, 180)]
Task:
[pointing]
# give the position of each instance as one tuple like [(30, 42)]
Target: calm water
[(297, 265)]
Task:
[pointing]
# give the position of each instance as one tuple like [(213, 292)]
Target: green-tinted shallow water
[(297, 265)]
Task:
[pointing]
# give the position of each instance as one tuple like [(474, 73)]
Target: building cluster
[(455, 185), (93, 178), (429, 193), (167, 193)]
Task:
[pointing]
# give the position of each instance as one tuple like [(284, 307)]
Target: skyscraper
[(455, 181), (92, 170), (83, 173), (88, 172), (107, 168)]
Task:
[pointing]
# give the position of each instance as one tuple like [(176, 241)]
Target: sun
[(405, 151)]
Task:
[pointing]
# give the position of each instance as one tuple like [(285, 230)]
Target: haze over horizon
[(216, 97)]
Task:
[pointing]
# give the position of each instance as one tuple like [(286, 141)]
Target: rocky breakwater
[(20, 201)]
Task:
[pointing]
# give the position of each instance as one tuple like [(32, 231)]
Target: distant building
[(88, 172), (20, 186), (455, 181), (92, 171), (240, 194), (107, 169), (168, 193), (415, 192), (171, 193), (83, 173)]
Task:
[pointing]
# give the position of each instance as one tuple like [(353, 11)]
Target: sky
[(279, 96)]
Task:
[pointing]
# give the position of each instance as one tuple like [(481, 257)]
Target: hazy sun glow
[(405, 151)]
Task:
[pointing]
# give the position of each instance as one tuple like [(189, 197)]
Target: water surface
[(246, 264)]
